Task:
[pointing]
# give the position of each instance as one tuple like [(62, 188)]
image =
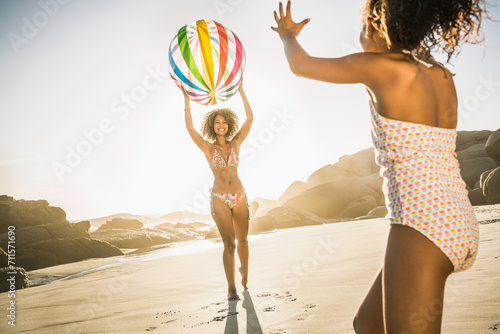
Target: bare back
[(407, 90)]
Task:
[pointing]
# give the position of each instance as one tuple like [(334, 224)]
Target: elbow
[(296, 68)]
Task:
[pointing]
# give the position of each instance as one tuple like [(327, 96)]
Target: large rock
[(329, 200), (21, 213), (59, 251), (30, 234), (471, 169), (293, 190), (374, 182), (491, 189), (13, 282), (466, 139), (492, 146), (359, 164), (359, 207), (476, 197), (472, 152), (132, 239), (121, 223), (327, 174), (483, 177)]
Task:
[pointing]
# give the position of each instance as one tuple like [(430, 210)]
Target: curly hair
[(207, 127), (427, 25)]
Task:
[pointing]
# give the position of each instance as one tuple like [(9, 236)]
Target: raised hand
[(285, 23)]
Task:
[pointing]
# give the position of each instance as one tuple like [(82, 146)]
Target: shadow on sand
[(253, 325)]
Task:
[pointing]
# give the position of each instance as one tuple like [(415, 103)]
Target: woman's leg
[(413, 281), (240, 223), (224, 222), (407, 293), (370, 315)]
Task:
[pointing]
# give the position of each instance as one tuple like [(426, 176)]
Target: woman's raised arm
[(195, 136), (245, 128)]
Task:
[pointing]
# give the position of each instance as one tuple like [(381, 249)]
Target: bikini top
[(219, 162)]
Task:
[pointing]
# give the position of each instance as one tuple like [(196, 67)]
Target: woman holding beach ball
[(413, 111), (221, 142)]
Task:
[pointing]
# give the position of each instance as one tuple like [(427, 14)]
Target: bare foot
[(244, 277), (232, 295)]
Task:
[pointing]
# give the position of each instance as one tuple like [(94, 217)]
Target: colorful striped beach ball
[(207, 60)]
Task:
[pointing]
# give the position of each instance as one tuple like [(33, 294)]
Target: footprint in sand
[(268, 308), (495, 327), (150, 329)]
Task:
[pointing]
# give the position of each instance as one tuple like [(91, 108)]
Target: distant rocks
[(120, 223), (43, 236), (143, 238)]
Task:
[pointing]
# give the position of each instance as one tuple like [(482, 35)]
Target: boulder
[(190, 225), (60, 230), (466, 139), (253, 208), (83, 226), (121, 223), (287, 217), (21, 213), (327, 174), (492, 146), (21, 280), (359, 164), (491, 189), (471, 169), (293, 190), (359, 207), (264, 205), (59, 251), (132, 239), (476, 197), (329, 200), (379, 212), (472, 152), (374, 182), (483, 177)]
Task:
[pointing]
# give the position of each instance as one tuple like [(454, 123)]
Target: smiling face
[(220, 125)]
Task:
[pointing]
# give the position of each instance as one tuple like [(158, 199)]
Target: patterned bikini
[(218, 162), (422, 185)]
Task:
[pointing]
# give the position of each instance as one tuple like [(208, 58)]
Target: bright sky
[(72, 134)]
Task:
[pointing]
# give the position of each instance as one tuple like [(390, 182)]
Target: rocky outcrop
[(43, 236), (143, 238), (335, 199), (122, 224), (21, 213), (13, 279), (491, 188), (492, 146), (53, 252), (293, 190)]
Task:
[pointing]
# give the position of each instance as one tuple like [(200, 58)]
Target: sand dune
[(303, 280)]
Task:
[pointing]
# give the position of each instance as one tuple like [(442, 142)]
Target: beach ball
[(207, 60)]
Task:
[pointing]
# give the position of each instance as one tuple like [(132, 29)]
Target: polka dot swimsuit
[(422, 185)]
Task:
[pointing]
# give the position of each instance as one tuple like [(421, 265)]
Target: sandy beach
[(302, 280)]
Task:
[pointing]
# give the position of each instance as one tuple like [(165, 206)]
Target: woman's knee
[(243, 242), (230, 245)]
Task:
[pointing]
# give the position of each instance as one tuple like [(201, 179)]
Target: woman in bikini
[(413, 104), (221, 142)]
